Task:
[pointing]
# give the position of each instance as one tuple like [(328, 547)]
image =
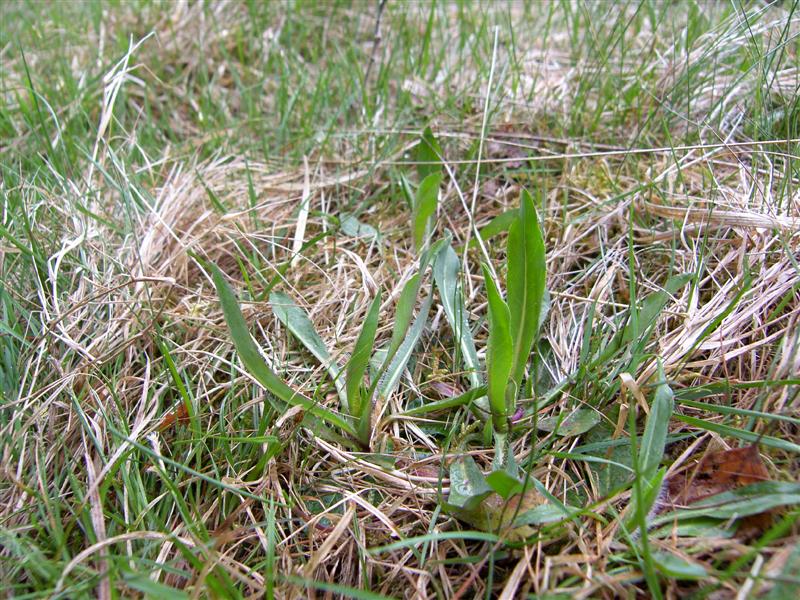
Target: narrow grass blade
[(300, 326), (499, 353), (436, 537), (255, 364), (740, 434), (446, 267), (525, 283), (425, 203), (656, 429), (447, 403)]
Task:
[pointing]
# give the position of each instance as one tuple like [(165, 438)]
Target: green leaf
[(703, 527), (677, 567), (255, 365), (656, 429), (577, 422), (404, 313), (360, 405), (525, 282), (499, 353), (496, 226), (468, 486), (428, 151), (543, 514), (355, 228), (425, 203), (504, 484), (392, 371), (446, 268), (300, 326)]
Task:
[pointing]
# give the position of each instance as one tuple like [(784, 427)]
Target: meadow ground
[(159, 158)]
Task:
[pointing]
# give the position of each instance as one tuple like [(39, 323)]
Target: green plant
[(356, 399)]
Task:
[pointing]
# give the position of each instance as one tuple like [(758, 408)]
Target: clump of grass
[(147, 453)]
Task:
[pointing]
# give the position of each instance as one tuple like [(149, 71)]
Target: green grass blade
[(300, 326), (447, 403), (499, 353), (740, 434), (446, 267), (425, 202), (434, 537), (253, 361), (525, 283)]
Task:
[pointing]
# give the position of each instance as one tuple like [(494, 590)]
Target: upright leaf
[(425, 203), (499, 353), (446, 267), (525, 283), (300, 326), (360, 359), (394, 366), (656, 429), (404, 313), (255, 364), (428, 154)]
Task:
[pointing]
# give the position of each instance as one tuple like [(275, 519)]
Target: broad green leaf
[(676, 567), (525, 283), (499, 353), (575, 423), (360, 404), (504, 484), (300, 326), (468, 486), (752, 499), (425, 203), (656, 429), (446, 268), (428, 154), (254, 363), (355, 228)]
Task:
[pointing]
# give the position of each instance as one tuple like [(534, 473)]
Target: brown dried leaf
[(714, 474)]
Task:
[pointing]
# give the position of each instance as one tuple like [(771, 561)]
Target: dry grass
[(113, 322)]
